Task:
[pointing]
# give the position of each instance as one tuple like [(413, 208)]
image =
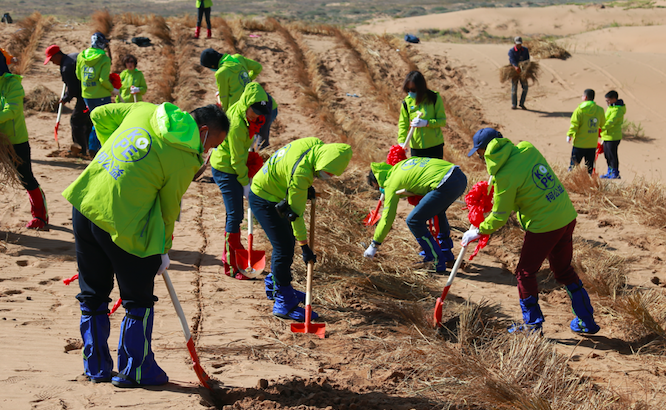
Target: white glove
[(470, 236), (246, 191), (165, 264), (115, 91), (418, 123), (371, 251), (134, 90), (568, 139)]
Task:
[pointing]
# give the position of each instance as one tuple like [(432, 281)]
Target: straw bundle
[(546, 49), (42, 99), (9, 176), (529, 70)]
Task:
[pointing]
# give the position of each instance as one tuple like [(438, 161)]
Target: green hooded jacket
[(206, 3), (525, 183), (233, 74), (133, 187), (273, 179), (416, 175), (12, 120), (231, 155), (430, 135), (585, 124), (93, 67), (612, 130), (132, 78)]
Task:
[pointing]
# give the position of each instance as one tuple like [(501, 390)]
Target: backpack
[(141, 41), (6, 18), (411, 38)]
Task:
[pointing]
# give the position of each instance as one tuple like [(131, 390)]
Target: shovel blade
[(251, 263), (201, 374), (438, 307), (317, 328)]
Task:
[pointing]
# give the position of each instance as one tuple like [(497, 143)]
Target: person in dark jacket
[(80, 119), (518, 54)]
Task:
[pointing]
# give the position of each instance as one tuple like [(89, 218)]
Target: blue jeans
[(93, 103), (279, 233), (435, 203), (265, 131), (232, 194)]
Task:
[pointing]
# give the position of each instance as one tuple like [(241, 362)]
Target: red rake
[(440, 300), (55, 131), (317, 328), (196, 365), (253, 261)]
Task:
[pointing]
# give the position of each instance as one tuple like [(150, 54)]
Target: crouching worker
[(283, 182), (523, 181), (440, 183), (125, 204)]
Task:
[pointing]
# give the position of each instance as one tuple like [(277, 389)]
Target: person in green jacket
[(232, 74), (427, 140), (586, 122), (611, 133), (125, 204), (134, 84), (203, 9), (285, 181), (12, 125), (524, 182), (440, 183), (229, 166)]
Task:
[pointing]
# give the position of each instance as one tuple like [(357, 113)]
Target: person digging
[(440, 183), (125, 205), (523, 181), (278, 197)]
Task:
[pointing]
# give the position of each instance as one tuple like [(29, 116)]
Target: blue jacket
[(516, 56)]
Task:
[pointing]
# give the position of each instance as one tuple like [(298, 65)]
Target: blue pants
[(92, 103), (232, 194), (98, 258), (265, 131), (279, 233), (435, 203), (514, 92)]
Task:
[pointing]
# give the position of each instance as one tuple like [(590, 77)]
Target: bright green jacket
[(525, 183), (231, 155), (416, 175), (612, 130), (132, 78), (93, 67), (206, 3), (273, 179), (585, 124), (12, 120), (233, 74), (430, 135), (133, 187)]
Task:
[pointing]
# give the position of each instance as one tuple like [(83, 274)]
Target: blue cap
[(482, 138)]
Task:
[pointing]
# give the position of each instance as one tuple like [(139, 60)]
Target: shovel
[(201, 373), (202, 169), (317, 328), (254, 262), (374, 216), (405, 144), (55, 132), (440, 300)]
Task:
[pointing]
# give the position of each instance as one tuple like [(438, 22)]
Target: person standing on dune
[(518, 54)]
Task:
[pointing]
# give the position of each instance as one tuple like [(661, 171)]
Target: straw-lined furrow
[(186, 86), (164, 87), (227, 34), (24, 42)]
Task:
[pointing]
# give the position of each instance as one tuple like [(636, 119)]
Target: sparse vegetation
[(24, 41)]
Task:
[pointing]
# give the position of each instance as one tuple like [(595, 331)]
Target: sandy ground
[(239, 342)]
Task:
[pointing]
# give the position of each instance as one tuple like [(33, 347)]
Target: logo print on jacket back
[(542, 177), (131, 145)]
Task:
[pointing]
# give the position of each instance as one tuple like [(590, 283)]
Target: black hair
[(612, 94), (372, 180), (128, 58), (212, 116), (422, 91), (589, 94)]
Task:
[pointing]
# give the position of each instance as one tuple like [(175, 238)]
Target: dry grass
[(530, 70), (186, 85), (603, 273), (42, 99), (24, 42), (257, 25), (239, 34), (316, 29), (227, 34), (102, 21), (133, 19), (9, 177), (541, 48), (644, 318), (160, 29)]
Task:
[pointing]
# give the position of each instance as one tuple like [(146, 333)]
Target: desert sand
[(261, 363)]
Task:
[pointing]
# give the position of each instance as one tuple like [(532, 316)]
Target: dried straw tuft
[(257, 25), (160, 29), (24, 42), (541, 48), (42, 99), (9, 176), (529, 70), (102, 21), (133, 19)]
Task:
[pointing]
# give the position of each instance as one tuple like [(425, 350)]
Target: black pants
[(610, 152), (200, 13), (24, 166), (577, 155), (81, 124), (433, 152), (98, 258)]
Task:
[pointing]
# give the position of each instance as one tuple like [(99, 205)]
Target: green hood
[(497, 153), (92, 55), (587, 106), (253, 93), (332, 158), (178, 128), (381, 170)]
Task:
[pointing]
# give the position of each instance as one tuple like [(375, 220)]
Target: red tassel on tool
[(254, 163), (116, 82), (479, 200), (67, 281), (395, 155)]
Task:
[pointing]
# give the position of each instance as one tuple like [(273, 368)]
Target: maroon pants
[(555, 245)]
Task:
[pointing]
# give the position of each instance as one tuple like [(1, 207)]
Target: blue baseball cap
[(482, 138)]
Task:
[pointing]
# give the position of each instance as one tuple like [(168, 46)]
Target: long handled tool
[(317, 328), (134, 95), (440, 300), (374, 216), (201, 373), (203, 167), (55, 132), (251, 263), (405, 144)]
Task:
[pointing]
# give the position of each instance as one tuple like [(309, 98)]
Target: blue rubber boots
[(95, 329), (582, 308), (532, 316), (269, 285), (433, 252), (286, 304)]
